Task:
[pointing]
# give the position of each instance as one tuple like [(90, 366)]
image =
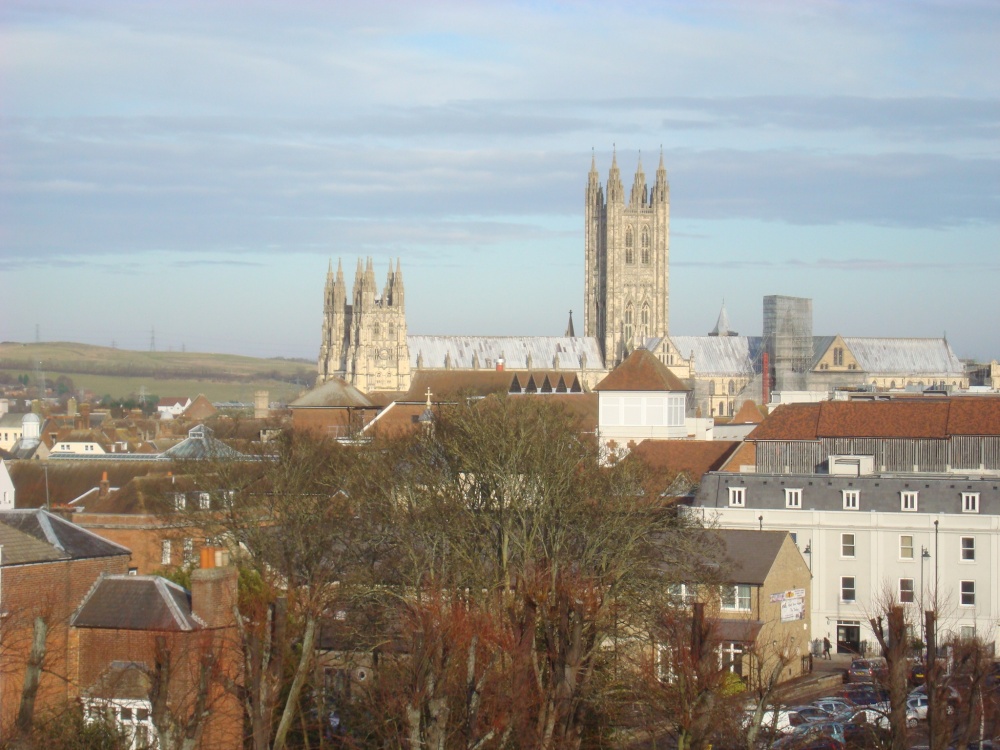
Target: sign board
[(790, 594), (793, 609)]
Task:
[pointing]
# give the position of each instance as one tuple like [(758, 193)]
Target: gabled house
[(170, 407)]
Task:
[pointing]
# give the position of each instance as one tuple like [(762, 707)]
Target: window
[(711, 388), (645, 245), (906, 547), (907, 500), (852, 499), (793, 498), (732, 387), (847, 589), (970, 502), (644, 320), (736, 598), (204, 500), (683, 592), (967, 632), (906, 591), (628, 324), (731, 657), (737, 497), (847, 547), (969, 548), (165, 552), (179, 501), (629, 252), (838, 357), (968, 593), (188, 551)]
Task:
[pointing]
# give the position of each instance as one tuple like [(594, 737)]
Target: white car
[(833, 705), (917, 704)]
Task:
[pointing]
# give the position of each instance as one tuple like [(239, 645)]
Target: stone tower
[(364, 340), (627, 249)]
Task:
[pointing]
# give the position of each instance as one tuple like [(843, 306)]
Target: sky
[(180, 174)]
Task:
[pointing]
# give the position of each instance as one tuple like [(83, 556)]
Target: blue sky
[(191, 166)]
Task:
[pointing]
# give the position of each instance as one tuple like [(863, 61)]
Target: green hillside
[(121, 372)]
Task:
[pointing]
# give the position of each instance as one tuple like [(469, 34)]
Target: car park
[(861, 670), (833, 705)]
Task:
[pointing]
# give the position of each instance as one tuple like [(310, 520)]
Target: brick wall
[(144, 535), (51, 591)]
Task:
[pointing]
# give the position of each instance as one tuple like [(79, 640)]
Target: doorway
[(848, 637)]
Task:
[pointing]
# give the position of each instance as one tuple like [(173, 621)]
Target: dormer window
[(179, 501), (737, 497)]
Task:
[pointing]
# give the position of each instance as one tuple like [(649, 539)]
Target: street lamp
[(809, 551), (924, 555)]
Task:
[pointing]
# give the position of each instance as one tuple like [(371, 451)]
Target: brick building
[(48, 565)]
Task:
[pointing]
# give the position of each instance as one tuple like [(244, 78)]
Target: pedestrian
[(826, 648)]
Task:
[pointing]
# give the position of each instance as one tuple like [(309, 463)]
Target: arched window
[(711, 387), (628, 324), (645, 322), (892, 384), (645, 245), (732, 387), (375, 330), (722, 408), (629, 252)]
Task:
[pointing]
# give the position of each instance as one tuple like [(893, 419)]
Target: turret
[(616, 193), (661, 190), (637, 198), (397, 286)]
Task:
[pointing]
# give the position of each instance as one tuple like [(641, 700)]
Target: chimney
[(105, 486), (213, 589), (500, 364)]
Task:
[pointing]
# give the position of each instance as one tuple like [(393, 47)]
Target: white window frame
[(204, 500), (967, 593), (737, 497), (742, 597), (967, 553), (686, 593), (909, 590), (853, 588), (852, 544), (908, 500), (793, 497), (970, 502), (165, 552), (852, 499), (902, 547), (180, 501)]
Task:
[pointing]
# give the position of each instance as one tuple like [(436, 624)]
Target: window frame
[(844, 588), (742, 597), (737, 497), (967, 593), (793, 498), (904, 591), (844, 545), (165, 552), (906, 497), (970, 502), (852, 499), (967, 553), (911, 546)]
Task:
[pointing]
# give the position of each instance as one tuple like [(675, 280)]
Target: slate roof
[(127, 602), (641, 371), (34, 536), (198, 445), (752, 552), (574, 352), (905, 355), (720, 355), (902, 418), (334, 392)]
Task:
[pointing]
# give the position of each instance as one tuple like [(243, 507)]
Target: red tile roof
[(882, 419), (749, 413), (691, 457), (641, 371)]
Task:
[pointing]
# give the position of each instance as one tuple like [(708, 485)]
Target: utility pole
[(930, 676)]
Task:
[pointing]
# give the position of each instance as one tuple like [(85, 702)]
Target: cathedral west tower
[(627, 253)]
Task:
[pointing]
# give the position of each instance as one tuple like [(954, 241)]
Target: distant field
[(121, 373)]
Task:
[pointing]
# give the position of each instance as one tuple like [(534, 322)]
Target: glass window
[(906, 547), (204, 500), (906, 590), (968, 548), (736, 597), (684, 593), (847, 545), (165, 552), (852, 499), (179, 501), (793, 498), (847, 589), (968, 593), (970, 502), (737, 497), (908, 500)]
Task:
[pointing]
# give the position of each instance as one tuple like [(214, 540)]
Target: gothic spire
[(638, 195), (661, 189), (722, 324), (615, 190), (569, 328)]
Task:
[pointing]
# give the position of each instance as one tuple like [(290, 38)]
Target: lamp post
[(809, 551), (924, 555)]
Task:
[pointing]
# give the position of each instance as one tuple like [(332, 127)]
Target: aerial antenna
[(152, 339)]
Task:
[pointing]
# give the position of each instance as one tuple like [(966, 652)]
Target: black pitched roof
[(30, 536), (126, 602), (752, 552)]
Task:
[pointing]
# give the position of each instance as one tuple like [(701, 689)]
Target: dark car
[(918, 673)]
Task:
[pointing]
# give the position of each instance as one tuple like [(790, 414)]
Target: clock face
[(382, 358)]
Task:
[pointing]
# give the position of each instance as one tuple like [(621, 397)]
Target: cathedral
[(365, 340)]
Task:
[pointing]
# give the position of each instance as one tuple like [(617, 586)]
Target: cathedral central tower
[(627, 253)]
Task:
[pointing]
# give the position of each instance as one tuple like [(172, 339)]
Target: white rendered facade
[(945, 550)]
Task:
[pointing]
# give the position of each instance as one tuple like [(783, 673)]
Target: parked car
[(863, 670), (811, 713), (831, 728), (833, 705), (786, 719), (953, 697), (918, 705), (918, 673)]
